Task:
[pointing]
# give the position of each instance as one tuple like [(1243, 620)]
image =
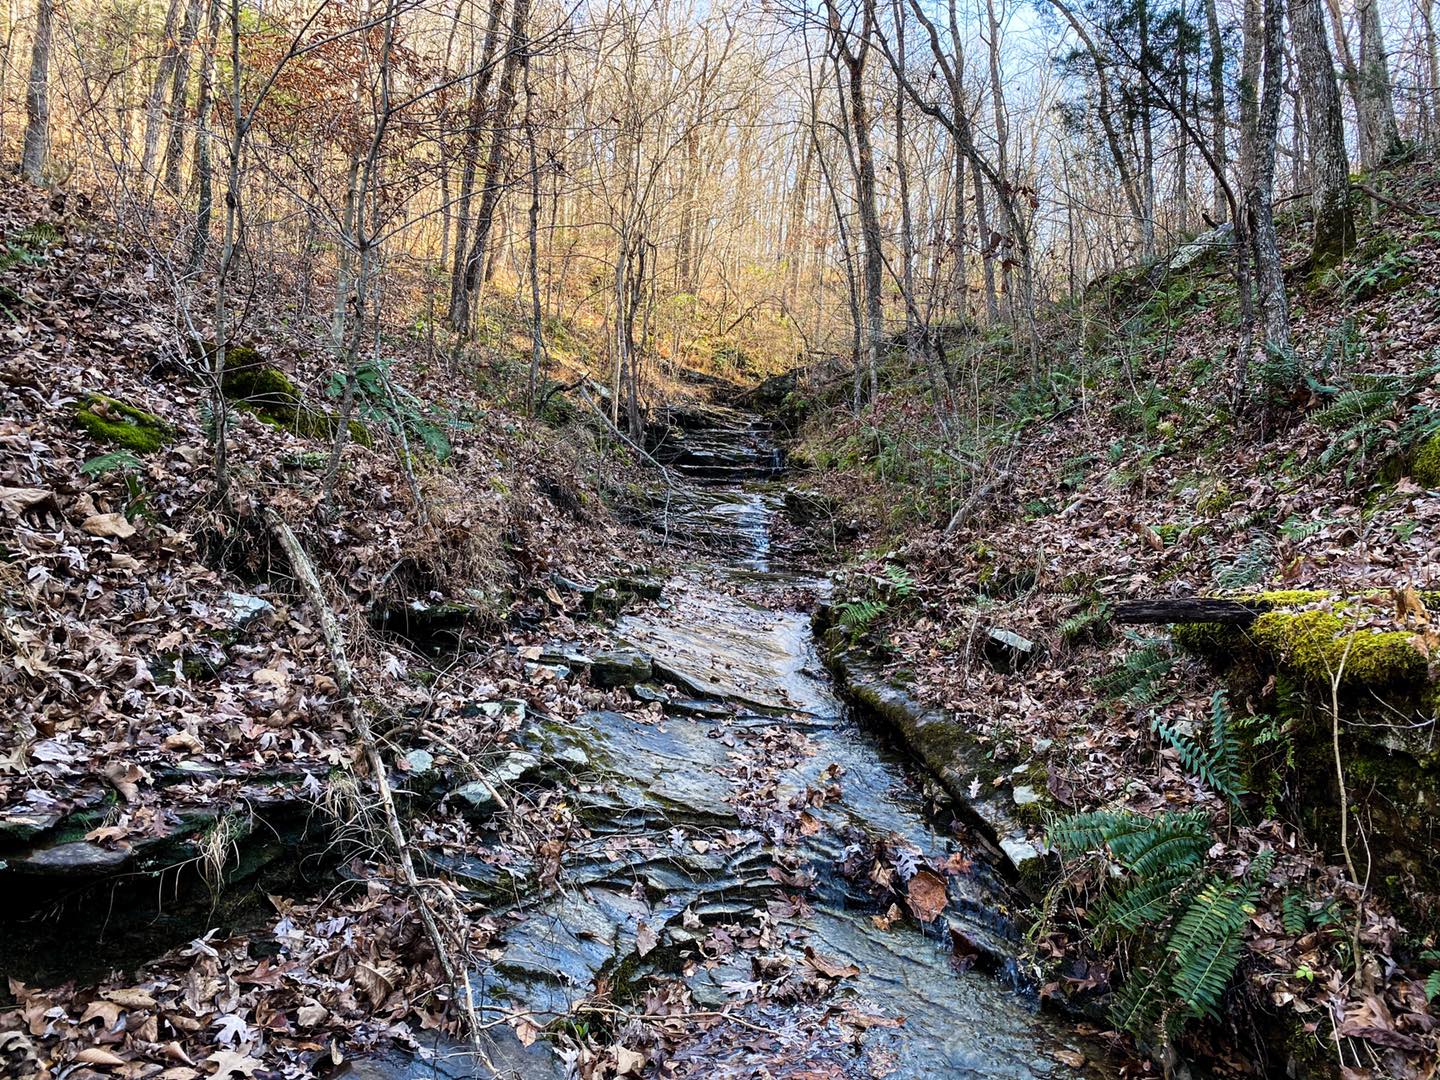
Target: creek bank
[(950, 751), (1388, 700)]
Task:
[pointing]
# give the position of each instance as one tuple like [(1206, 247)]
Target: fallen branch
[(1394, 203), (345, 681), (976, 501), (1189, 609)]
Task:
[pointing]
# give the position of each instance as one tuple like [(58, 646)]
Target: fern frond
[(1145, 901), (1206, 943), (1294, 913)]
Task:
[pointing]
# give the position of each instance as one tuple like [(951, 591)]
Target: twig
[(345, 681)]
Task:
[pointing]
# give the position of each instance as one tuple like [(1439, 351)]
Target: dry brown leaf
[(628, 1062), (831, 969), (99, 1057), (131, 998), (228, 1065), (183, 740), (926, 895), (645, 939), (109, 525)]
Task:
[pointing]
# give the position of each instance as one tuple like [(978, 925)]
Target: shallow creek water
[(669, 841)]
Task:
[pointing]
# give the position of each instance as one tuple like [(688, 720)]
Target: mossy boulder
[(1425, 467), (1285, 662), (1318, 645), (114, 421), (273, 397)]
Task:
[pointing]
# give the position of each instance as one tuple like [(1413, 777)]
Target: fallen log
[(1189, 609)]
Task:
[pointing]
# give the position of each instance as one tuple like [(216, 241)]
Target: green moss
[(1425, 468), (1216, 500), (273, 398), (1169, 532), (248, 378), (1215, 641), (113, 421), (1316, 644), (1293, 597)]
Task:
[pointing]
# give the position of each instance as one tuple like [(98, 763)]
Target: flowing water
[(683, 838)]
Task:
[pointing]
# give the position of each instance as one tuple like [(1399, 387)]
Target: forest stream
[(676, 844)]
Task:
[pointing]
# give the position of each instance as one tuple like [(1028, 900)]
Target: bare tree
[(1382, 133), (1334, 229), (850, 45), (37, 96), (462, 305)]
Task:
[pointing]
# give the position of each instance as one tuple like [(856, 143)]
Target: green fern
[(1250, 567), (1432, 982), (1363, 418), (1215, 763), (1138, 679), (119, 461), (1206, 942), (857, 616), (1183, 926), (1294, 913), (1089, 623), (899, 581)]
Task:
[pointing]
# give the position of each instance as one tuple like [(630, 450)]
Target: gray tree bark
[(1334, 227), (1220, 206), (1259, 194), (494, 166), (1383, 131), (37, 97)]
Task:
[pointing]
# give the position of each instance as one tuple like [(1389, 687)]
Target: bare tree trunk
[(153, 102), (1217, 108), (873, 266), (795, 233), (343, 258), (1182, 149), (960, 226), (537, 325), (902, 176), (1334, 229), (470, 150), (460, 312), (1364, 123), (1147, 136), (1432, 70), (1385, 144), (1269, 278), (37, 96), (180, 84), (988, 243), (227, 260), (204, 173)]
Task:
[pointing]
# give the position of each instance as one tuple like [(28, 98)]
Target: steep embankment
[(1126, 469), (177, 760)]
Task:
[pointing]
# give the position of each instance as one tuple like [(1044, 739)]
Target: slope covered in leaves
[(1126, 468)]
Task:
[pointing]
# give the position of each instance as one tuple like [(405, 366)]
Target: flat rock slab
[(78, 859), (718, 646)]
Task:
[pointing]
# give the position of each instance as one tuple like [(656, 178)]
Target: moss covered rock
[(1425, 468), (1318, 645), (111, 420), (273, 397)]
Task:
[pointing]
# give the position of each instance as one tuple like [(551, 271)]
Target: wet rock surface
[(720, 846)]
